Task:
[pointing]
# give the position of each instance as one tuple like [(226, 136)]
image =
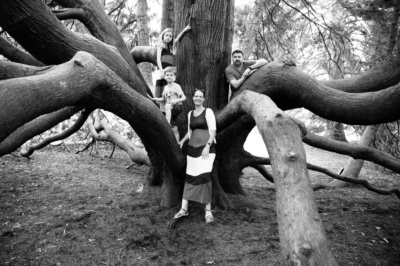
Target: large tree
[(97, 71)]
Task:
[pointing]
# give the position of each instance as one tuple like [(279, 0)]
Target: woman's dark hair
[(204, 93)]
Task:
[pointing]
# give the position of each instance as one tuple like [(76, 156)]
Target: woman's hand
[(205, 153), (188, 28)]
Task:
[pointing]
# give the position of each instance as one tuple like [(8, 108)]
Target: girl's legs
[(168, 112), (209, 217), (176, 133)]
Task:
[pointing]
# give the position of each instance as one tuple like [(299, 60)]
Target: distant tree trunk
[(255, 22), (335, 131), (168, 15), (143, 39), (353, 167)]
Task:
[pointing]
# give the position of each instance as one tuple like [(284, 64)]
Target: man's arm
[(256, 64), (236, 83)]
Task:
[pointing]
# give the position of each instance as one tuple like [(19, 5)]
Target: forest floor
[(64, 209)]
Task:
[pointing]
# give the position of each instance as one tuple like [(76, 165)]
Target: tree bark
[(167, 15), (207, 45), (302, 237), (24, 21), (335, 131), (231, 141), (143, 39), (104, 132), (278, 80), (34, 128), (100, 88), (100, 26), (75, 127), (16, 55)]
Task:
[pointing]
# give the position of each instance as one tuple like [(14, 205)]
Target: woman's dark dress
[(198, 184)]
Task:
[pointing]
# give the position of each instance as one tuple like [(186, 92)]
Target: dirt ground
[(64, 209)]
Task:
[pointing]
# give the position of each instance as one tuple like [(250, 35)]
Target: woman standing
[(200, 157)]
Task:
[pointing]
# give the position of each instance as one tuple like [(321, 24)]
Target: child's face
[(167, 37), (169, 76)]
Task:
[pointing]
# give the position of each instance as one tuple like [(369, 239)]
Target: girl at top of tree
[(165, 55)]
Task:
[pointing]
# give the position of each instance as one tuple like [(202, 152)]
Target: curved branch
[(24, 21), (358, 181), (87, 81), (70, 13), (16, 55), (290, 88), (323, 170), (144, 54), (35, 127), (100, 26), (10, 70), (356, 151), (263, 171), (63, 135)]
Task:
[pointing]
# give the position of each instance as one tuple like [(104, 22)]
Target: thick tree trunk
[(204, 53), (201, 60), (172, 187), (231, 141), (302, 236)]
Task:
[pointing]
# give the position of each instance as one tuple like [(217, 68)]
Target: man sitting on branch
[(237, 72)]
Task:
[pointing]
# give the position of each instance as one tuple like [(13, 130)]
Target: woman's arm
[(186, 137), (211, 123)]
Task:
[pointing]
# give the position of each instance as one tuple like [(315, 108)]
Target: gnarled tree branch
[(63, 135)]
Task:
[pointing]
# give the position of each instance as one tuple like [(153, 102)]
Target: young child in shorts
[(172, 95)]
